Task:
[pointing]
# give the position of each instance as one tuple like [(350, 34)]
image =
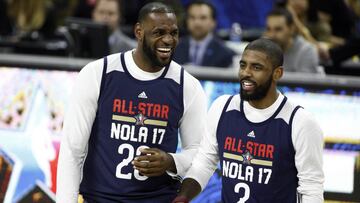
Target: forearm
[(68, 177), (317, 198), (71, 157), (182, 161), (311, 187), (308, 144)]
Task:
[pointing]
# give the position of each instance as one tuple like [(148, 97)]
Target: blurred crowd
[(313, 33)]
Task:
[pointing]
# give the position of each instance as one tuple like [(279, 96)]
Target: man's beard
[(151, 55), (259, 93)]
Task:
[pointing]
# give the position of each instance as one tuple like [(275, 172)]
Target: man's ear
[(138, 31), (278, 73)]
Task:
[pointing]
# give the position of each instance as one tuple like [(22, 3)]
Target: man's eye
[(158, 33), (174, 33)]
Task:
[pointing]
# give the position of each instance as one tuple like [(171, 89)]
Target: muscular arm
[(77, 127)]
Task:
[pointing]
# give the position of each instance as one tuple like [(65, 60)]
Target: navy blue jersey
[(132, 114), (257, 159)]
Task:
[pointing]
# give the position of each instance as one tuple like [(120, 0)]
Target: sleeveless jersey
[(132, 114), (257, 159)]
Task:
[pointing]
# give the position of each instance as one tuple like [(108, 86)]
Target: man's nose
[(168, 39), (245, 72)]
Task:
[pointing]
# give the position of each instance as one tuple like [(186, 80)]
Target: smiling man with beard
[(127, 110), (269, 149)]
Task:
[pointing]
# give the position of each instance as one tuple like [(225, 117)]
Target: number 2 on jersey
[(131, 153), (246, 191)]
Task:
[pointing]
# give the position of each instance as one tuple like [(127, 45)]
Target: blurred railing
[(213, 73)]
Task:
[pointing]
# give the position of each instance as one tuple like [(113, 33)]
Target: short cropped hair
[(203, 2), (270, 48), (282, 12), (154, 7)]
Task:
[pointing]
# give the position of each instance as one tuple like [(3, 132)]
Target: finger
[(147, 170), (150, 171), (149, 158), (140, 164), (152, 151), (143, 164)]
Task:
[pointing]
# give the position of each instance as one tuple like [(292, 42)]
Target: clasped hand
[(153, 162)]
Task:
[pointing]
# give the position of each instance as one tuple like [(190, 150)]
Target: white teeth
[(248, 83), (164, 49)]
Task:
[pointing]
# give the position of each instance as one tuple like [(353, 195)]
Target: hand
[(180, 199), (323, 51), (154, 162), (189, 189)]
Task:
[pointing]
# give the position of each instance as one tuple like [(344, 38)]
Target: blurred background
[(44, 43)]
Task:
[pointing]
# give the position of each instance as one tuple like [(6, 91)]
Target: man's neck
[(267, 101), (143, 62)]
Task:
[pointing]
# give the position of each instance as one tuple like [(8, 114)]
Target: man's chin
[(164, 61), (199, 36), (247, 96)]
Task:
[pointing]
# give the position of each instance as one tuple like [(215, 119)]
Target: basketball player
[(121, 132), (269, 149)]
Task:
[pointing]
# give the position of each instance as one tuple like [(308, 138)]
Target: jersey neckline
[(123, 64), (267, 120)]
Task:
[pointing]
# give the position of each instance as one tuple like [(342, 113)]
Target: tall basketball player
[(269, 149), (121, 132)]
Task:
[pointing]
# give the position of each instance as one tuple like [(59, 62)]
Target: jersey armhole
[(291, 124), (182, 87), (223, 112), (293, 114), (181, 94), (103, 78)]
